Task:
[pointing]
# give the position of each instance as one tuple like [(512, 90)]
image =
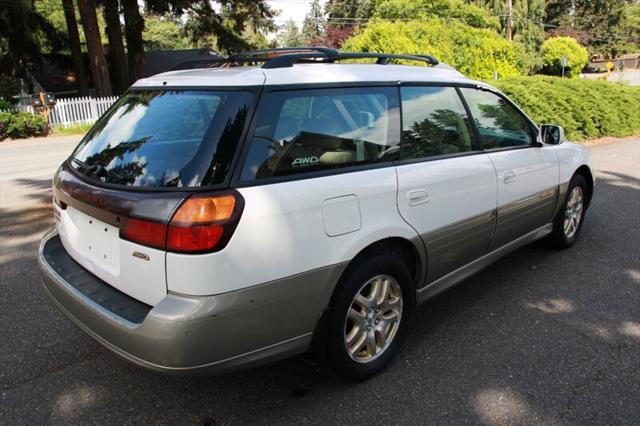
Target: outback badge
[(141, 255)]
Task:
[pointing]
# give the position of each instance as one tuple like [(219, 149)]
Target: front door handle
[(509, 177), (417, 197)]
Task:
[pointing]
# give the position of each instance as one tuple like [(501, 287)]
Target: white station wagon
[(219, 218)]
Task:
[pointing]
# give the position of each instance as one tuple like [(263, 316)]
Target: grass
[(78, 129)]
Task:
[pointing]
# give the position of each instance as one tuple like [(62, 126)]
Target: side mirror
[(552, 134)]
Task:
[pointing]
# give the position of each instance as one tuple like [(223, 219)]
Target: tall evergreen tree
[(97, 60), (290, 35), (117, 55), (74, 46), (133, 28), (314, 22), (346, 13), (227, 20)]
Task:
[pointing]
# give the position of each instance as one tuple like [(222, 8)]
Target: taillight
[(145, 232), (199, 223), (202, 223)]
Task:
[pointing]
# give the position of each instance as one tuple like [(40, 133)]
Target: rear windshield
[(156, 139)]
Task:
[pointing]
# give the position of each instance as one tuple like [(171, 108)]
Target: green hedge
[(585, 108), (22, 125)]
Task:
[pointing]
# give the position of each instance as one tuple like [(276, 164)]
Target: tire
[(350, 319), (568, 223)]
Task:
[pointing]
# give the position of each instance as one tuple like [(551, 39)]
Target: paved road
[(542, 337)]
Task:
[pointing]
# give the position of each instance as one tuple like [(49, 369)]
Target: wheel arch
[(587, 174), (412, 252)]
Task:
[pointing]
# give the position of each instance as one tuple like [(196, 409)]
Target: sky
[(291, 9)]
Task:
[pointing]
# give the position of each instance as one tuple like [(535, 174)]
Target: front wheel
[(568, 223), (370, 316)]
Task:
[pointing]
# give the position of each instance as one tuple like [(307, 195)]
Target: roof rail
[(288, 56)]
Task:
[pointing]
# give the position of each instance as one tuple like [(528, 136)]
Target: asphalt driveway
[(541, 337)]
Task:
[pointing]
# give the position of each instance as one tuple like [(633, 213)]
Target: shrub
[(555, 48), (474, 52), (585, 108), (5, 119), (22, 125)]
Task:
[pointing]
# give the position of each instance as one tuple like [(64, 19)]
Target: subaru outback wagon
[(218, 218)]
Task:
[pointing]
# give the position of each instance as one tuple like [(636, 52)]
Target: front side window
[(165, 138), (500, 124), (434, 122), (310, 130)]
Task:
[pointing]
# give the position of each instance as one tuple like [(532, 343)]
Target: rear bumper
[(192, 335)]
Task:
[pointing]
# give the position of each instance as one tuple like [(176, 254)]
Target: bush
[(22, 125), (555, 48), (585, 108), (474, 52)]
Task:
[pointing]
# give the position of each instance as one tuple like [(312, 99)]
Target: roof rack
[(288, 56)]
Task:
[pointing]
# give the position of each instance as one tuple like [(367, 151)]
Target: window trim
[(236, 180)]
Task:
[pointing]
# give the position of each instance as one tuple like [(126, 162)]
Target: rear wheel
[(568, 223), (370, 316)]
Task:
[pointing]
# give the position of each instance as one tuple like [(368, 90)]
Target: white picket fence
[(71, 111)]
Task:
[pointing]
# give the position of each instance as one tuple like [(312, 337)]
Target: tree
[(475, 52), (290, 35), (600, 23), (74, 46), (457, 10), (314, 22), (228, 21), (335, 35), (163, 33), (23, 34), (346, 13), (117, 55), (555, 48), (134, 26), (97, 59)]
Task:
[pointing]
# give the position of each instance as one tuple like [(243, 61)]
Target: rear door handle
[(417, 197), (509, 177)]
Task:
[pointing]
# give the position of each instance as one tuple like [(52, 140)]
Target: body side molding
[(468, 270)]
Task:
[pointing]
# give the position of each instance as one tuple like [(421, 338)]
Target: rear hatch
[(115, 197)]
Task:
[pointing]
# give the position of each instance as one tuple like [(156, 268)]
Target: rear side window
[(500, 124), (155, 139), (434, 122), (311, 130)]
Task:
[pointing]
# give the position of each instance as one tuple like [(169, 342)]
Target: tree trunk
[(116, 46), (134, 25), (74, 44), (97, 60)]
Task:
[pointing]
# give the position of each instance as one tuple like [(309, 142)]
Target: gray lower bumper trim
[(185, 334)]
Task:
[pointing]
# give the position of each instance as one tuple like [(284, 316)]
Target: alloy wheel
[(373, 319)]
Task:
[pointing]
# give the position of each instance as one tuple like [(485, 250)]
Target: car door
[(446, 184), (526, 171)]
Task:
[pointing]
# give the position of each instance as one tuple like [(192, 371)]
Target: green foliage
[(163, 34), (585, 108), (469, 14), (608, 27), (9, 88), (314, 22), (22, 125), (346, 13), (474, 52), (557, 47), (78, 129), (290, 35)]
